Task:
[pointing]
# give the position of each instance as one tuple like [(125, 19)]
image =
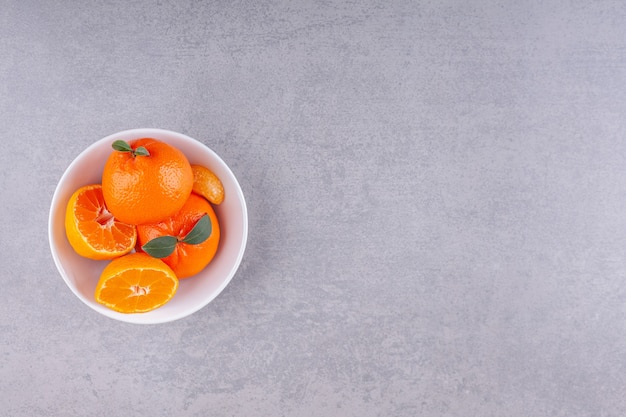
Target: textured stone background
[(436, 191)]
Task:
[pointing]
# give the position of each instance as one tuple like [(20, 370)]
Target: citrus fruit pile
[(152, 217)]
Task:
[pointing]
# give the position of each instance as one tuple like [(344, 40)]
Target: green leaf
[(141, 151), (163, 246), (160, 247), (122, 146), (200, 232)]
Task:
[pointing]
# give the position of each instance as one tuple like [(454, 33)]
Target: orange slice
[(136, 283), (207, 184), (92, 230)]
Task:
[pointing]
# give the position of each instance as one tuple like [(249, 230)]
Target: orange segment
[(92, 230), (136, 283), (207, 184)]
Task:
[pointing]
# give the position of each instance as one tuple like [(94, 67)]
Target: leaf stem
[(123, 146), (163, 246)]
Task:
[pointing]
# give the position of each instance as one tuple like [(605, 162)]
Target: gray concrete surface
[(436, 191)]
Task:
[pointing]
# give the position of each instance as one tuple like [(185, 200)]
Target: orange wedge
[(207, 184), (136, 283), (92, 230)]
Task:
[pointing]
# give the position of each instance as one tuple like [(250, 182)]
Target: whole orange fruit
[(145, 181), (186, 259)]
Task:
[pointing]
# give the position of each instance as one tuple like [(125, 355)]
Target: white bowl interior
[(81, 275)]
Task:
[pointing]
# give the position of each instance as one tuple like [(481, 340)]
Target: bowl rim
[(145, 318)]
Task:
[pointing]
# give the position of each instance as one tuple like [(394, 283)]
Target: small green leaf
[(200, 232), (122, 146), (141, 151), (160, 247)]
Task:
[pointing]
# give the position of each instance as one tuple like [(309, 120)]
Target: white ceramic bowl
[(81, 275)]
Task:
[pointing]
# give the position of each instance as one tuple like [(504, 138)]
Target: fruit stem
[(123, 146)]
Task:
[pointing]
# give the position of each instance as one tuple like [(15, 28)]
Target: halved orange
[(136, 283), (92, 230), (207, 184)]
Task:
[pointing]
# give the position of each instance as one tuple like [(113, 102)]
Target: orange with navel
[(146, 180), (186, 241)]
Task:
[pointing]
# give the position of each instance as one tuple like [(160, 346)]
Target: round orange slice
[(136, 283), (207, 184), (92, 230)]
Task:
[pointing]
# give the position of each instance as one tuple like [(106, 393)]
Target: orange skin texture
[(207, 184), (146, 189), (186, 260)]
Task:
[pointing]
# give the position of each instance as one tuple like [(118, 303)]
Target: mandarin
[(136, 283), (92, 230), (146, 181), (186, 259)]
